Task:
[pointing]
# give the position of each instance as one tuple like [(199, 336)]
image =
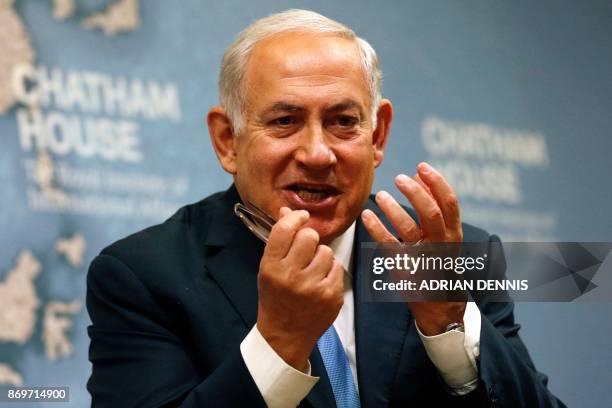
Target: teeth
[(310, 195)]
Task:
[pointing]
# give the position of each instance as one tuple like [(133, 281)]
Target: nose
[(314, 151)]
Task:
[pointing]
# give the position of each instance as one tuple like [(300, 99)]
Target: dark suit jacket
[(170, 306)]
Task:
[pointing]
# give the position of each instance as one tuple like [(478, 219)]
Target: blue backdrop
[(102, 133)]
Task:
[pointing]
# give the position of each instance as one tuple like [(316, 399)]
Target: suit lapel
[(380, 332), (234, 268), (232, 256)]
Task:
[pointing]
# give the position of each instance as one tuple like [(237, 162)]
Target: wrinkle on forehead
[(312, 80), (305, 61), (310, 49)]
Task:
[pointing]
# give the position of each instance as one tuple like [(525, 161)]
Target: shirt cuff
[(280, 385), (454, 353)]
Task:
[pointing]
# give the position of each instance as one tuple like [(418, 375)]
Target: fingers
[(430, 216), (422, 183), (321, 263), (298, 246), (403, 223), (304, 246), (284, 231), (444, 195), (376, 228), (335, 278)]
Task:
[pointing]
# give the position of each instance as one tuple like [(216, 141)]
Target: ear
[(384, 116), (222, 138)]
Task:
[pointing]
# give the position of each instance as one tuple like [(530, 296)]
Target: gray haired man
[(198, 312)]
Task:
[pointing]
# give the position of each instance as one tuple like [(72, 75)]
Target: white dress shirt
[(453, 353)]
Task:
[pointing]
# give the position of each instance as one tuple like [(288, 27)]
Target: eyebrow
[(284, 107), (343, 105)]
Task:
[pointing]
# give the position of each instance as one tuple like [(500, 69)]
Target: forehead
[(299, 65)]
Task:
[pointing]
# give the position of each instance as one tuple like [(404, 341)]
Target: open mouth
[(312, 193)]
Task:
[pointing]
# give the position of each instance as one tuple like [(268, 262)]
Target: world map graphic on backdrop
[(64, 115), (19, 305), (16, 45), (24, 315)]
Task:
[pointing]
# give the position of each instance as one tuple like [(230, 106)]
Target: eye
[(345, 122), (283, 121)]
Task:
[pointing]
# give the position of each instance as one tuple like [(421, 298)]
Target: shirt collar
[(343, 247)]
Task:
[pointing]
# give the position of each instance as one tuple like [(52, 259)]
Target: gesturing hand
[(300, 286), (437, 208)]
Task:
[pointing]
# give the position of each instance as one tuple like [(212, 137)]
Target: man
[(198, 312)]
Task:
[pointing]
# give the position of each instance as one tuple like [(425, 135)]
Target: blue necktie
[(338, 369)]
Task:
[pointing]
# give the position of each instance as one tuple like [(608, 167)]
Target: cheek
[(261, 159), (251, 155), (358, 162)]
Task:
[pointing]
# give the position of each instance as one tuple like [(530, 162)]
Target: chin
[(327, 232)]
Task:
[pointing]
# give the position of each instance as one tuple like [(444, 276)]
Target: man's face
[(308, 141)]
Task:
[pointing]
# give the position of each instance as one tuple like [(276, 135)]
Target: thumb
[(284, 211)]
